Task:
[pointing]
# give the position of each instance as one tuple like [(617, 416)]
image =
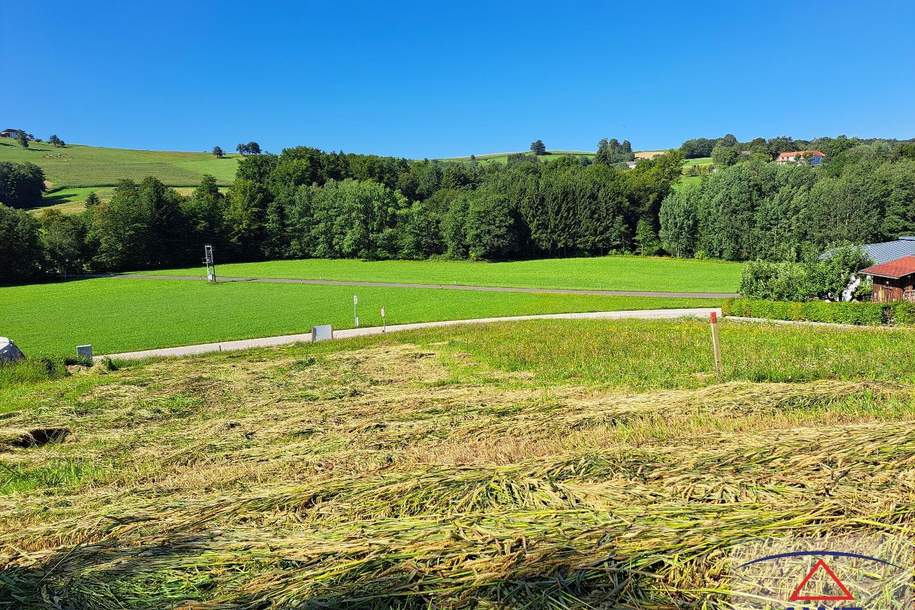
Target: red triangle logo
[(796, 596)]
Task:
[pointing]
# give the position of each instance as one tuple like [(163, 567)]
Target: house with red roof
[(813, 157), (893, 280)]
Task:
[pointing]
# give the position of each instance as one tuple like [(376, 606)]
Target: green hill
[(74, 171)]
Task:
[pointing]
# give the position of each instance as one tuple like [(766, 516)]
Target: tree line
[(763, 210), (308, 203)]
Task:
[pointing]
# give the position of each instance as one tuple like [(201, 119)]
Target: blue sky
[(436, 79)]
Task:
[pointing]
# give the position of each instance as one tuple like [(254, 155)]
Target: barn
[(893, 280)]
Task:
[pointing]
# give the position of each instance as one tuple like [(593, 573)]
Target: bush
[(816, 279), (862, 314), (31, 370), (775, 281), (903, 312)]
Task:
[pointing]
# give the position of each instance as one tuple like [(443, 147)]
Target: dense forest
[(756, 209), (305, 202)]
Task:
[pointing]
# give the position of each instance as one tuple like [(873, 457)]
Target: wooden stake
[(716, 343)]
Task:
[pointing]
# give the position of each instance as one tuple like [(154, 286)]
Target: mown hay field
[(489, 467)]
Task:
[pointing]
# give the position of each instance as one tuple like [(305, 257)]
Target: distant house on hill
[(813, 157), (893, 281), (10, 133)]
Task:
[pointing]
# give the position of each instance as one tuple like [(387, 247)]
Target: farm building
[(813, 157), (894, 280), (10, 133)]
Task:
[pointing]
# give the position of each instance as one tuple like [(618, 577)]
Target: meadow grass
[(428, 469), (675, 354), (619, 272), (72, 200), (117, 315), (698, 161), (91, 166)]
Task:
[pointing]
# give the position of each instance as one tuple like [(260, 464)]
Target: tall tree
[(20, 246), (538, 147)]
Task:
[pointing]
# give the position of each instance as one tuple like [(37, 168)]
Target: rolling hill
[(74, 171)]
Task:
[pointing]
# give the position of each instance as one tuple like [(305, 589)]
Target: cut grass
[(600, 273), (419, 470), (117, 315)]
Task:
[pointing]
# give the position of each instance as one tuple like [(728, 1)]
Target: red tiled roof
[(795, 153), (894, 269)]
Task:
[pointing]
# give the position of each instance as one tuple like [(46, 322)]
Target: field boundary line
[(242, 344), (466, 287)]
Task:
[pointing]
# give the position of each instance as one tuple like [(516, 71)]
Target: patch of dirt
[(39, 437)]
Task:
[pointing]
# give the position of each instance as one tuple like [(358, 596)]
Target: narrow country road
[(364, 284), (226, 346)]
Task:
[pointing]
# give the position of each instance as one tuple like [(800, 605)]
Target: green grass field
[(117, 315), (490, 467), (600, 273), (74, 171), (72, 200)]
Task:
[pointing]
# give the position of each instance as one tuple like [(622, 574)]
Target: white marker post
[(384, 325), (716, 344), (210, 263), (355, 310)]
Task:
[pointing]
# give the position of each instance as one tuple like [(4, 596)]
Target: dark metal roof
[(891, 250)]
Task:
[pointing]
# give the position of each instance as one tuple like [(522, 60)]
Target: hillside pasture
[(639, 273), (79, 166), (72, 200), (72, 172), (453, 468)]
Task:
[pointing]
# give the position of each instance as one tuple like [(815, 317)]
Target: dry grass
[(399, 474)]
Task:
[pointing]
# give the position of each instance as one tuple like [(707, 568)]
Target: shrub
[(775, 281), (31, 370), (870, 314), (903, 312)]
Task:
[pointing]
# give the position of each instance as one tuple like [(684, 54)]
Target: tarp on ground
[(8, 351)]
